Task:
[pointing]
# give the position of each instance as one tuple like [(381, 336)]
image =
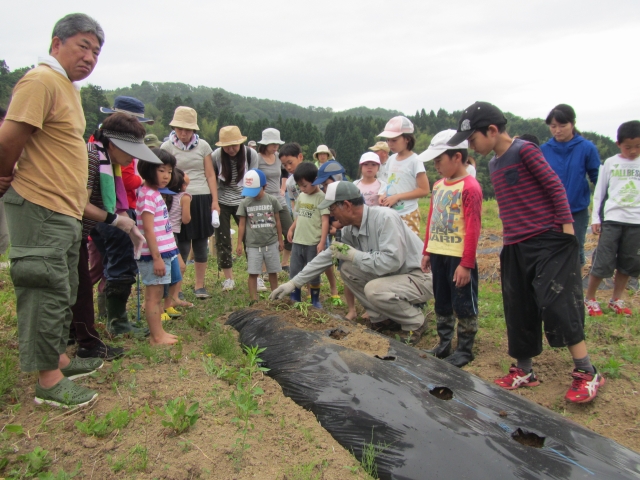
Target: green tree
[(93, 97)]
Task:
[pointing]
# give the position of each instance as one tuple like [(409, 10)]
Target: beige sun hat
[(230, 135), (185, 117), (380, 146), (322, 149)]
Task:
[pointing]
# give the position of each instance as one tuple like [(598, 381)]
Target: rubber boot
[(117, 294), (315, 297), (102, 305), (467, 329), (445, 327), (296, 295)]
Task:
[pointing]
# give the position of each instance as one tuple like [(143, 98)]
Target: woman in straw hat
[(193, 155), (269, 163), (322, 155), (231, 161)]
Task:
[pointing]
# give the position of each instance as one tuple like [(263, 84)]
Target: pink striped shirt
[(150, 200)]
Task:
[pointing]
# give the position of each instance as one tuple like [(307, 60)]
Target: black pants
[(449, 298), (223, 235), (542, 284)]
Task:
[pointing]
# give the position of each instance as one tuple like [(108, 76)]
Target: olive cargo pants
[(45, 247)]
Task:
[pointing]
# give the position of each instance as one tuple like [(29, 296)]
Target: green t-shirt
[(260, 225), (309, 221)]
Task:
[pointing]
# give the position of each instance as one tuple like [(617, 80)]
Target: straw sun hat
[(185, 117), (322, 149), (230, 136)]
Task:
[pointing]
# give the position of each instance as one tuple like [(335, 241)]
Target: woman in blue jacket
[(572, 157)]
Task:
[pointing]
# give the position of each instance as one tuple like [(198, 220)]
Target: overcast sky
[(523, 56)]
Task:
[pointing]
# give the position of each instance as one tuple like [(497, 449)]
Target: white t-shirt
[(619, 180), (383, 173), (401, 179), (471, 170)]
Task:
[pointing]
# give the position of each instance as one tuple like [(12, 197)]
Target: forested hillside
[(348, 132)]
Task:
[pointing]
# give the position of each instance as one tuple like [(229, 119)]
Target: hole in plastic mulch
[(443, 393), (338, 334), (528, 439)]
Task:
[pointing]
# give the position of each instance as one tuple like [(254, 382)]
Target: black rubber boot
[(467, 329), (445, 326), (102, 305), (117, 294)]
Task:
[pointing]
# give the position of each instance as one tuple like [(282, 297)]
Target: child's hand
[(568, 228), (215, 206), (336, 224), (462, 276), (596, 228), (159, 268), (239, 250), (425, 265), (290, 235), (321, 246), (281, 244), (389, 201), (332, 230)]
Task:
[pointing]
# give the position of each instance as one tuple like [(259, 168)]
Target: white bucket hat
[(270, 136), (439, 145)]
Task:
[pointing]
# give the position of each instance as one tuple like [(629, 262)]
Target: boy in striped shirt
[(540, 268)]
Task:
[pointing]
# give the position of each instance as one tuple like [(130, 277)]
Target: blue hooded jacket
[(573, 161)]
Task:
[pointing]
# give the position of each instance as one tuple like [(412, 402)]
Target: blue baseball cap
[(253, 182), (330, 169)]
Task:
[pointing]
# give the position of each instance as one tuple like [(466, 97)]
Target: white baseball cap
[(370, 157), (439, 145)]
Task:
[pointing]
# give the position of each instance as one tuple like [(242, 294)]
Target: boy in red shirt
[(450, 246)]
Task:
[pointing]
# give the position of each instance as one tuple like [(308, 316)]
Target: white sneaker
[(228, 284), (261, 285)]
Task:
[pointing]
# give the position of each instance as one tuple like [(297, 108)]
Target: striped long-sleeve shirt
[(530, 196)]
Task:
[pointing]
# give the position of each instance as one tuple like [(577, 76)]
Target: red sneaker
[(517, 378), (617, 305), (593, 307), (584, 387)]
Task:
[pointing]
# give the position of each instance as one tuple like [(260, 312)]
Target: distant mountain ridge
[(250, 107)]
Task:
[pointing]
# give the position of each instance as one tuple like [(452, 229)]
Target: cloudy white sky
[(524, 56)]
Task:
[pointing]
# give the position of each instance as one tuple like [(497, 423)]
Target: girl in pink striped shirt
[(160, 247)]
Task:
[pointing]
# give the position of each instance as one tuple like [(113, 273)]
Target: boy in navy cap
[(540, 268), (260, 219)]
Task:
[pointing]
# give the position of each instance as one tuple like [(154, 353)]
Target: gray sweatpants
[(393, 297)]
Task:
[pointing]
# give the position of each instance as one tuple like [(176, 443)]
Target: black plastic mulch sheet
[(436, 421)]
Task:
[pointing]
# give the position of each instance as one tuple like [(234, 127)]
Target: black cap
[(478, 115)]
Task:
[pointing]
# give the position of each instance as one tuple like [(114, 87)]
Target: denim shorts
[(149, 278)]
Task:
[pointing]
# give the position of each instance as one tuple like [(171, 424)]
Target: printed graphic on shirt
[(392, 186), (446, 218), (261, 216), (629, 194), (306, 209)]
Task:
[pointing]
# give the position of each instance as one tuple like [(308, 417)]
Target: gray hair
[(75, 23)]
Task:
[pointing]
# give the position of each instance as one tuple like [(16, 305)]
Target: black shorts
[(618, 249), (542, 285), (449, 298)]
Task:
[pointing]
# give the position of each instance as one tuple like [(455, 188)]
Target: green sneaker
[(81, 367), (65, 394)]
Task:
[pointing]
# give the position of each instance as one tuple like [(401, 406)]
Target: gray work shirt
[(386, 246)]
